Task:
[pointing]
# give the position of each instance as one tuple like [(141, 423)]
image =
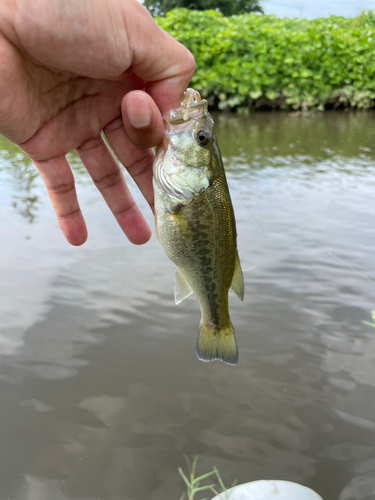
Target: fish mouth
[(191, 107), (190, 98)]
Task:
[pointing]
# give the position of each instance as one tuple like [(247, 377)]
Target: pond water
[(101, 392)]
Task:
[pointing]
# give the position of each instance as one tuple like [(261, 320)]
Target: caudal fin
[(217, 343)]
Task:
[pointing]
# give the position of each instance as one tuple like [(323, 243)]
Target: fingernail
[(138, 111)]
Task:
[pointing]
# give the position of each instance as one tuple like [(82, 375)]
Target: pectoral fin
[(237, 282), (181, 287)]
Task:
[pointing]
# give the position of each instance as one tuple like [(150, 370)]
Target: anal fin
[(237, 285), (181, 287)]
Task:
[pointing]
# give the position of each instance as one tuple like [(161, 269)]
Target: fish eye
[(203, 137)]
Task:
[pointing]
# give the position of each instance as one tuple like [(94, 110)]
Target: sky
[(316, 8)]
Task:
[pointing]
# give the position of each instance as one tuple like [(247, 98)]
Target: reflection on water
[(101, 392), (22, 176), (26, 203)]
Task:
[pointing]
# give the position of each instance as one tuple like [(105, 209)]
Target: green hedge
[(254, 60)]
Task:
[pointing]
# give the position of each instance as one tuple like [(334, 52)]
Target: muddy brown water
[(101, 393)]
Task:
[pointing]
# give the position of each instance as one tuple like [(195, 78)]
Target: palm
[(65, 68), (72, 111), (60, 111), (49, 113)]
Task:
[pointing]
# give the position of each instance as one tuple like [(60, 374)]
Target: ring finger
[(108, 178)]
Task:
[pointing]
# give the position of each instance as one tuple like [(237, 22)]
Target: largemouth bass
[(195, 223)]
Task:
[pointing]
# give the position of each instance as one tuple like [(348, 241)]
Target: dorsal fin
[(237, 281)]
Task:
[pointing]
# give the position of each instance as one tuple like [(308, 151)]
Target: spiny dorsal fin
[(237, 281), (181, 287)]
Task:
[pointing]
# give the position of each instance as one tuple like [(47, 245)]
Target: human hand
[(72, 69)]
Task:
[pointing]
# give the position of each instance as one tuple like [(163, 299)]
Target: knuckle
[(114, 125), (124, 209), (141, 165), (63, 188), (91, 144), (109, 181), (190, 63), (71, 215)]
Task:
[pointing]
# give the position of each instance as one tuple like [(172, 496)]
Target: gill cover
[(181, 167)]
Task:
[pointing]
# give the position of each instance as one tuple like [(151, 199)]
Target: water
[(101, 391)]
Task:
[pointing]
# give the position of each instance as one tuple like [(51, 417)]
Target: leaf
[(369, 324), (255, 94), (200, 478), (183, 476), (193, 468), (219, 479), (202, 488)]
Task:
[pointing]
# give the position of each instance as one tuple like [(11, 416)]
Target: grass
[(193, 484), (373, 319)]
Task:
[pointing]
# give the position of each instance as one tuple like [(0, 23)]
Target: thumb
[(165, 65)]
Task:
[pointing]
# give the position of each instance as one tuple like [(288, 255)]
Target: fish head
[(188, 135), (184, 165)]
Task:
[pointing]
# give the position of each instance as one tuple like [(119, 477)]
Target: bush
[(253, 60), (227, 7)]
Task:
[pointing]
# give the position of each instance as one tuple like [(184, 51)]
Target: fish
[(195, 223)]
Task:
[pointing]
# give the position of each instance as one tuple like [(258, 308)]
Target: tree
[(227, 7)]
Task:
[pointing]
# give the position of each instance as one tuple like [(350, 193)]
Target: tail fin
[(217, 343)]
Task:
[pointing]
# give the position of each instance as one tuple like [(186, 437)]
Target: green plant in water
[(224, 490), (373, 318), (193, 483)]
